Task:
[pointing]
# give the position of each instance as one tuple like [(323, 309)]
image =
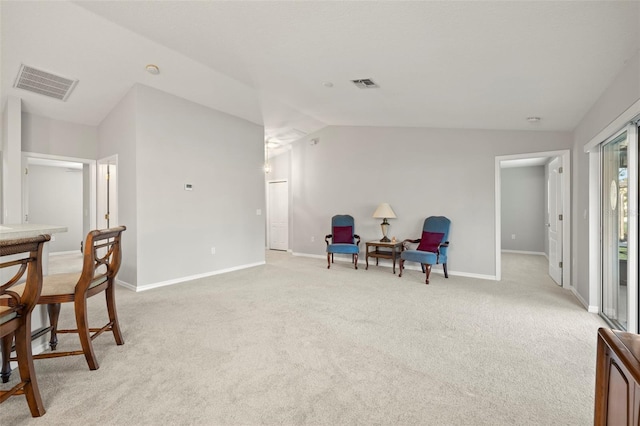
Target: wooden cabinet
[(617, 399)]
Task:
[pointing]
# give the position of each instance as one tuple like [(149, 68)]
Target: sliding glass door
[(615, 231)]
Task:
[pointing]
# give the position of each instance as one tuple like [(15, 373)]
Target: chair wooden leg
[(332, 258), (355, 259), (428, 272), (27, 371), (444, 266), (328, 260), (5, 348), (401, 267), (113, 314), (84, 333), (53, 309)]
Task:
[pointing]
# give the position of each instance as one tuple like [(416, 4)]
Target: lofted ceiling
[(288, 65)]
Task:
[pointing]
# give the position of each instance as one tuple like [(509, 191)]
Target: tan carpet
[(293, 343)]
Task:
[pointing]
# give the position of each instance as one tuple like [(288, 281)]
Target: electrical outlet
[(213, 250), (313, 239), (513, 236)]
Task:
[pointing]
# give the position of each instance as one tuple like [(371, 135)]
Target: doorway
[(617, 246), (562, 239), (278, 215), (108, 192), (61, 191)]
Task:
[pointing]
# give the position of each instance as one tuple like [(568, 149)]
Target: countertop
[(25, 230)]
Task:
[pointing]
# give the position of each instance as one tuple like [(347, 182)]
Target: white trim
[(92, 177), (102, 187), (632, 230), (595, 203), (537, 253), (60, 253), (565, 155), (595, 256), (268, 211), (590, 308), (146, 287), (388, 264), (314, 256), (618, 123)]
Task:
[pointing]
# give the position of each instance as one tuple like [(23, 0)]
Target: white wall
[(164, 142), (117, 135), (420, 172), (182, 142), (55, 197), (623, 92), (523, 208), (12, 161), (54, 137)]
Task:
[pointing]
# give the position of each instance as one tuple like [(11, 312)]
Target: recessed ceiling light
[(533, 119), (152, 69), (327, 84)]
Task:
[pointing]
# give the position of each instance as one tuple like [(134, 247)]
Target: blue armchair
[(432, 248), (343, 239)]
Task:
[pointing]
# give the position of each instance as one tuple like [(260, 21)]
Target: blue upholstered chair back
[(438, 224), (343, 220)]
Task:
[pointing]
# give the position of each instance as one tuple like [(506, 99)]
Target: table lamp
[(384, 212)]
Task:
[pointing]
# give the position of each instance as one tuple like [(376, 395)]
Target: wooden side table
[(390, 250)]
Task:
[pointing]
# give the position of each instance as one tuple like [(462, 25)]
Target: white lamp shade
[(384, 211)]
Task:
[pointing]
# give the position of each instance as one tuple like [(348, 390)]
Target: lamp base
[(385, 227)]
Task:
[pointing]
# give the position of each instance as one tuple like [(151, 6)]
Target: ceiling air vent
[(365, 83), (44, 83)]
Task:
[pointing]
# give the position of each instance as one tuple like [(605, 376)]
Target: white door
[(108, 192), (554, 221), (278, 194)]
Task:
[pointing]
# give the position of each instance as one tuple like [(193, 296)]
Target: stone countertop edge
[(26, 230)]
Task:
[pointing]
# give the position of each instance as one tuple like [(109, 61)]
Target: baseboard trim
[(537, 253), (388, 264), (60, 253), (590, 308), (151, 286)]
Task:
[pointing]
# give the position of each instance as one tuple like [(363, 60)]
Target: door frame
[(268, 215), (92, 181), (101, 187), (565, 156)]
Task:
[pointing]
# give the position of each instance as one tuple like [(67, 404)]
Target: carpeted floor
[(293, 343)]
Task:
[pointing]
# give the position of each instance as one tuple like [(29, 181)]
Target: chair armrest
[(358, 238), (445, 244), (405, 243), (326, 238)]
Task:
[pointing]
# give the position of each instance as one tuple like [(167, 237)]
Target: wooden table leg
[(367, 259), (393, 255)]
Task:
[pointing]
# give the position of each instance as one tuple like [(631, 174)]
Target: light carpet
[(292, 343)]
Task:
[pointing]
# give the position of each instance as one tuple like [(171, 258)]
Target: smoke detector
[(44, 83), (365, 83)]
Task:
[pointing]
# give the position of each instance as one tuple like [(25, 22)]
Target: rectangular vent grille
[(365, 83), (44, 83)]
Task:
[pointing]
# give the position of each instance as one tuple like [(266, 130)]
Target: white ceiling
[(483, 64)]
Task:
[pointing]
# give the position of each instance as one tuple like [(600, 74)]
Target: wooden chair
[(101, 262), (343, 239), (433, 246), (16, 306)]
